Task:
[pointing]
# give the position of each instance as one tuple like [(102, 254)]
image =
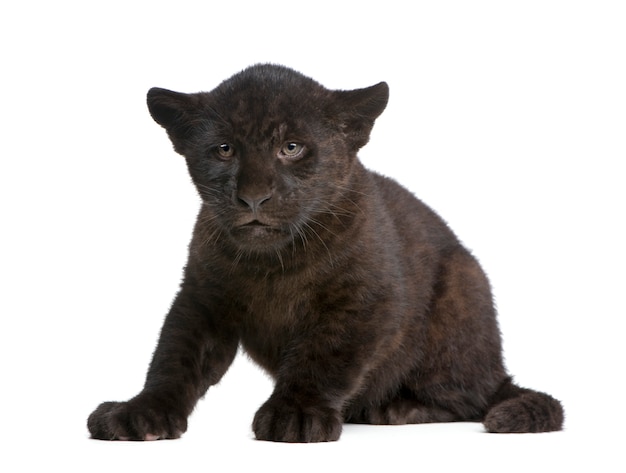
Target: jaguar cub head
[(270, 151)]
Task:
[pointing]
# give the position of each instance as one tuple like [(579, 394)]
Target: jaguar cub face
[(269, 150)]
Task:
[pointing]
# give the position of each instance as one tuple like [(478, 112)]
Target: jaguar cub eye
[(292, 150), (225, 150)]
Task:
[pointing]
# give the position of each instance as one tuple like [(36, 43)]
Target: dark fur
[(350, 292)]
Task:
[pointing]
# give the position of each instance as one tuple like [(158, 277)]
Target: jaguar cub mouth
[(257, 233), (255, 223)]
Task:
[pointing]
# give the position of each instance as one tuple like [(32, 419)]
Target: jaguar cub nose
[(254, 202)]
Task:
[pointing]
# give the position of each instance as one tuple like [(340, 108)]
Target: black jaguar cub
[(353, 294)]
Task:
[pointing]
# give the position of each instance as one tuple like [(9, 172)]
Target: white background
[(508, 118)]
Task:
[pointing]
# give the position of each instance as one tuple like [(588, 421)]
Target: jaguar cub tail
[(519, 410)]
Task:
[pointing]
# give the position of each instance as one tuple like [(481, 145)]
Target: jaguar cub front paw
[(134, 420), (283, 421)]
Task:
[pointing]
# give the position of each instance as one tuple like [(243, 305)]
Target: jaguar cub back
[(354, 295)]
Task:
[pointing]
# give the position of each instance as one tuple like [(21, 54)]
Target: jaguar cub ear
[(168, 108), (358, 109), (177, 113)]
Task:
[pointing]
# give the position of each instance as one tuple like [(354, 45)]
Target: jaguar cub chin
[(354, 295)]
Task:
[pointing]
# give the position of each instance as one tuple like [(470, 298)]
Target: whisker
[(303, 237), (280, 258), (330, 256), (293, 240), (349, 189), (236, 260), (319, 224), (217, 233)]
